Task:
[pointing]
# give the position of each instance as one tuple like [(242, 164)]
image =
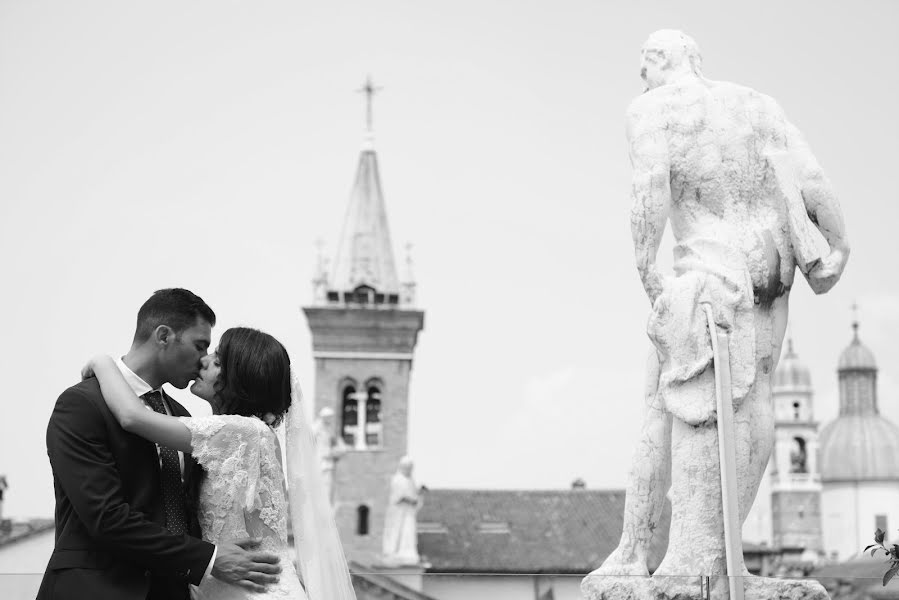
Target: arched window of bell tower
[(798, 456), (349, 415), (374, 428)]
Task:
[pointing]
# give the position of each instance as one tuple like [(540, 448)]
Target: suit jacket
[(111, 542)]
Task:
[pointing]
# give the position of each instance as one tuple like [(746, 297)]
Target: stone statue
[(744, 194), (400, 546), (330, 447)]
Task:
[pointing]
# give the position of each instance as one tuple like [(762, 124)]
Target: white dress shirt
[(141, 387)]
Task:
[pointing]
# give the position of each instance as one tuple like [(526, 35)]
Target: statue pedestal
[(411, 576), (596, 587)]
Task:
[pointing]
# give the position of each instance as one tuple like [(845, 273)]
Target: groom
[(126, 526)]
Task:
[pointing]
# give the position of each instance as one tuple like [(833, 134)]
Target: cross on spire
[(369, 90), (855, 319)]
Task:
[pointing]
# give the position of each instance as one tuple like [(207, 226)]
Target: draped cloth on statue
[(707, 272)]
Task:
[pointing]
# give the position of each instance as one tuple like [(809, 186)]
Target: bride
[(247, 381)]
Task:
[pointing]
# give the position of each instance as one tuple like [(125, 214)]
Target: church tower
[(786, 514), (364, 330), (859, 459), (795, 478)]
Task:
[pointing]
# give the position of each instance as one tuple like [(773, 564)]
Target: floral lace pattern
[(242, 495), (243, 474)]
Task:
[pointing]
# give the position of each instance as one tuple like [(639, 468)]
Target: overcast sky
[(209, 144)]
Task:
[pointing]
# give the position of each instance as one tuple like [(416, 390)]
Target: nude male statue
[(718, 160)]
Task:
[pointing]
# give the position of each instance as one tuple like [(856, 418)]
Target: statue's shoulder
[(731, 88), (650, 102), (667, 99), (744, 93), (647, 113)]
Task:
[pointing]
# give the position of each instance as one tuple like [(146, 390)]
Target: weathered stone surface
[(400, 546), (595, 587), (743, 194)]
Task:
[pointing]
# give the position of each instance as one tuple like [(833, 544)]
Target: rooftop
[(856, 356), (791, 374), (12, 532), (525, 531)]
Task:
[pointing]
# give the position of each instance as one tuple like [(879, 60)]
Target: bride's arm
[(130, 411)]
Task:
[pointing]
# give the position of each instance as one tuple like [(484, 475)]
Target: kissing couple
[(154, 504)]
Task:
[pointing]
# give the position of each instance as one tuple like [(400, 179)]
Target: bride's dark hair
[(255, 375)]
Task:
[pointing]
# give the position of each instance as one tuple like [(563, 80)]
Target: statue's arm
[(820, 201), (650, 190)]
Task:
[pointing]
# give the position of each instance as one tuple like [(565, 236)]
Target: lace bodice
[(243, 493)]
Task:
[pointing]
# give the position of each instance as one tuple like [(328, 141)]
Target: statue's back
[(719, 136)]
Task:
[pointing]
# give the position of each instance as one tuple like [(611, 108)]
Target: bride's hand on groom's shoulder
[(238, 562), (87, 371)]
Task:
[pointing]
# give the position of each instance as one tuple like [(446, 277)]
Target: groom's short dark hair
[(176, 307)]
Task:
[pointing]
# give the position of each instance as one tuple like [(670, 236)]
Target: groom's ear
[(163, 335)]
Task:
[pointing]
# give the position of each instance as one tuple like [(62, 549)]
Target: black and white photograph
[(575, 300)]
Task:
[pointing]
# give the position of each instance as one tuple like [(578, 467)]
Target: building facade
[(786, 515), (859, 460)]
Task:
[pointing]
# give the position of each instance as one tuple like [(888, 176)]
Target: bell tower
[(795, 475), (364, 330)]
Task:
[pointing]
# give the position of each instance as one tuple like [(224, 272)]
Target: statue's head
[(405, 466), (667, 55)]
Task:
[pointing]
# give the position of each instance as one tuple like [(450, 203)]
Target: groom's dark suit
[(110, 537)]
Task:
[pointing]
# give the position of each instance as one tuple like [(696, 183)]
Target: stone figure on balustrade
[(747, 203), (400, 547)]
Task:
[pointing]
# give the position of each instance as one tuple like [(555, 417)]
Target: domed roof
[(856, 355), (791, 373), (859, 448)]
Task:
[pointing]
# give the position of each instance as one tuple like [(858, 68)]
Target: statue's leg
[(754, 419), (649, 480), (696, 542), (696, 536)]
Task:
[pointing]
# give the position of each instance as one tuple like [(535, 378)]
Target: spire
[(855, 322), (364, 270)]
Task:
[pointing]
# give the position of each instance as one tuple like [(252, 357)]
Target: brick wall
[(362, 477)]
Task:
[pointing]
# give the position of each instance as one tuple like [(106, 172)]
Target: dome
[(859, 448), (791, 373), (856, 355)]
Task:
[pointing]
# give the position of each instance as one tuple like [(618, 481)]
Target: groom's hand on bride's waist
[(239, 562)]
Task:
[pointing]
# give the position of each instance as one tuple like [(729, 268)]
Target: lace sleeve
[(240, 458)]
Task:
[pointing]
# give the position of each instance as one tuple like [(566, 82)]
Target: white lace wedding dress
[(243, 495)]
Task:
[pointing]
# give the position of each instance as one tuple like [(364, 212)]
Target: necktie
[(172, 492)]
